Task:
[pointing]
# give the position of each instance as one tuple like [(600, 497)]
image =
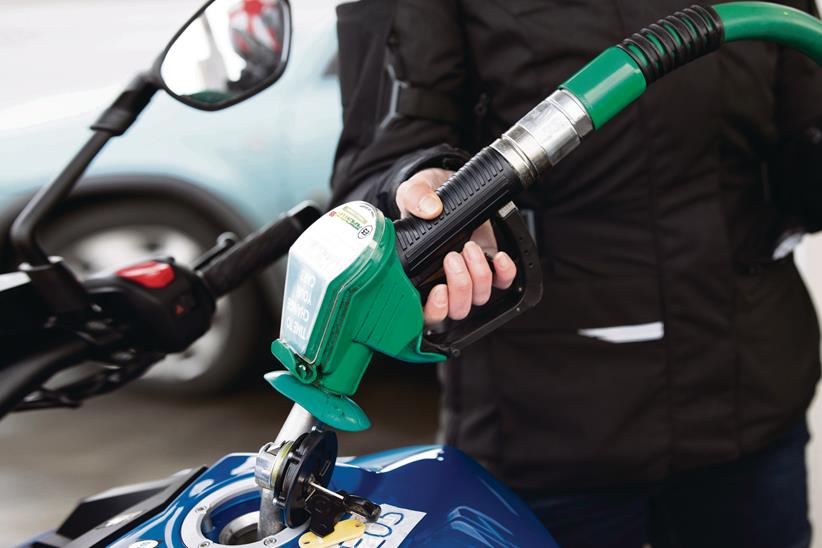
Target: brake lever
[(225, 241), (97, 383), (450, 337)]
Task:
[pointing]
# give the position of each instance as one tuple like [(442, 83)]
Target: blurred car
[(178, 179)]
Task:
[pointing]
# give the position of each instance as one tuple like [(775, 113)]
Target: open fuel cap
[(346, 295)]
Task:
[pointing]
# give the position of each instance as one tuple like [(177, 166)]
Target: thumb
[(417, 197)]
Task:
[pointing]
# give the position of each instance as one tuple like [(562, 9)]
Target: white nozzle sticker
[(323, 252)]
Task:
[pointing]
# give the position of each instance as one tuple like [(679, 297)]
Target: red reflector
[(150, 274)]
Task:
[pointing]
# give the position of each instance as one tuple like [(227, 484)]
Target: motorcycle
[(353, 287)]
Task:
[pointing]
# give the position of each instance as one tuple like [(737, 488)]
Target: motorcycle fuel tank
[(430, 496)]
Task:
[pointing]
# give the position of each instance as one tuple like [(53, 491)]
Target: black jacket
[(662, 226)]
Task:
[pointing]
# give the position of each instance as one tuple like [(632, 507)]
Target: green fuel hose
[(620, 74), (584, 103)]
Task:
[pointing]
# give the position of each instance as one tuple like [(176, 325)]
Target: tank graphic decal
[(390, 530)]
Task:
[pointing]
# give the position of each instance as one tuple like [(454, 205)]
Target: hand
[(468, 276)]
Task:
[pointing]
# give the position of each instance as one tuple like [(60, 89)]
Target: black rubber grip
[(675, 40), (257, 251), (469, 198)]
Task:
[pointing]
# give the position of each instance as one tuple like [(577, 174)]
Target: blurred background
[(178, 179)]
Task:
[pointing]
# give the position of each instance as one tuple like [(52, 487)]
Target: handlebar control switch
[(150, 274), (159, 305)]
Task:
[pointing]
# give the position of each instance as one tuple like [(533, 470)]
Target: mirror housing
[(228, 51)]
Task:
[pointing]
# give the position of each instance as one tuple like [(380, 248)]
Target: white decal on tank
[(390, 530)]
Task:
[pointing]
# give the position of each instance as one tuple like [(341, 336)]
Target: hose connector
[(545, 135)]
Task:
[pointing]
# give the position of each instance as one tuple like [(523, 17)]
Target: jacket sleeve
[(795, 170), (384, 46)]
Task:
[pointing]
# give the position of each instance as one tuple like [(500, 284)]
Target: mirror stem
[(54, 281), (23, 232), (117, 118), (114, 121)]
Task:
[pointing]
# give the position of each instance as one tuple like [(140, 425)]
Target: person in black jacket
[(658, 392)]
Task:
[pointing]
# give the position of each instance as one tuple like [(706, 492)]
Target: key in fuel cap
[(349, 529)]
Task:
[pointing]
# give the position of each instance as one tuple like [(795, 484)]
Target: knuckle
[(461, 284), (483, 276), (402, 194)]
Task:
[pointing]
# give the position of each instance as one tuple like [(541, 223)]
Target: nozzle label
[(320, 255)]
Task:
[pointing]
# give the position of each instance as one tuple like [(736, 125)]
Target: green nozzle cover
[(337, 411), (346, 297)]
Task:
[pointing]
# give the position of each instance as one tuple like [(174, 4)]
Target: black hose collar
[(682, 37)]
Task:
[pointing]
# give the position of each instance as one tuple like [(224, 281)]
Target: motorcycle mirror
[(227, 52)]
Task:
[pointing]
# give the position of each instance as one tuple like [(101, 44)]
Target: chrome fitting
[(268, 464), (545, 135)]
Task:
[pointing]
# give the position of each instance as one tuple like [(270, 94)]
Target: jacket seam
[(653, 219)]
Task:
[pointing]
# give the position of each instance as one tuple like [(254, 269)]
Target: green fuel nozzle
[(348, 288), (346, 296)]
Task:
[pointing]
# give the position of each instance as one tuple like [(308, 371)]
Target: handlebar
[(257, 250), (25, 370)]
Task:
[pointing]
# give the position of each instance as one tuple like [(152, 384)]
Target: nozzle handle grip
[(469, 198)]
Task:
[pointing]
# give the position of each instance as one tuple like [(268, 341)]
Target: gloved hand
[(468, 277)]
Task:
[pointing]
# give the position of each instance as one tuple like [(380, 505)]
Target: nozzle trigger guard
[(450, 337)]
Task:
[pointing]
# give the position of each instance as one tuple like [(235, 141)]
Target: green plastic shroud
[(346, 296), (613, 80)]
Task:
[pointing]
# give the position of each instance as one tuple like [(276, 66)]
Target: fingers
[(460, 287), (468, 283), (454, 298), (436, 307), (484, 237), (505, 270), (469, 279), (480, 272), (416, 196)]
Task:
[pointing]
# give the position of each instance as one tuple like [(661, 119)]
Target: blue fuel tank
[(430, 496)]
